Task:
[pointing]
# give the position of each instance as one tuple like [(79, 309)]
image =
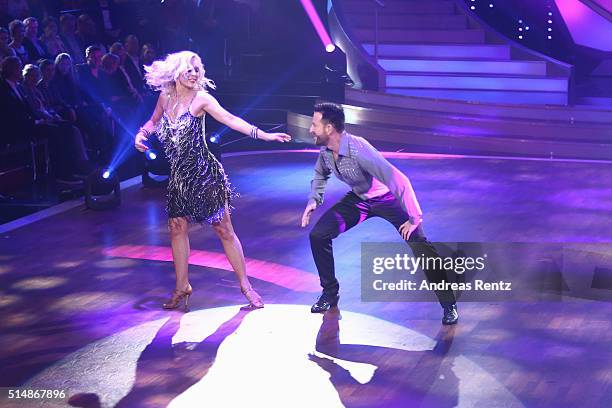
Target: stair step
[(413, 7), (476, 125), (440, 50), (453, 142), (464, 66), (480, 82), (425, 21), (422, 36), (449, 142), (499, 109), (508, 97)]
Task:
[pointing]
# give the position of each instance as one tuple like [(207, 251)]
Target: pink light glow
[(316, 22), (586, 26), (281, 275)]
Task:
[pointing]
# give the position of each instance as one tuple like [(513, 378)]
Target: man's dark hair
[(13, 25), (332, 113), (9, 65), (91, 49)]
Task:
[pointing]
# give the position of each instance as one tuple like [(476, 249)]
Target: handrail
[(380, 4), (358, 58), (596, 7)]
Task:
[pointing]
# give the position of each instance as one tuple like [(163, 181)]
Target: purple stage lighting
[(318, 25)]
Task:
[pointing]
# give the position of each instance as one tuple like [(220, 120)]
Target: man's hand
[(310, 207), (139, 142), (274, 137), (406, 229)]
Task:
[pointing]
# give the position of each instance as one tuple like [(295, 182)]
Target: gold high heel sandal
[(255, 302), (177, 297)]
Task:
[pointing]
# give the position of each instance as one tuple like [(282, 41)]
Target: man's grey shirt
[(366, 171)]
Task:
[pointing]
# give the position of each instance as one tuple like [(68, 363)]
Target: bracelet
[(254, 132)]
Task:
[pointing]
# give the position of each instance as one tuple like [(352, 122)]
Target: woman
[(64, 82), (5, 49), (69, 149), (198, 190), (17, 31), (51, 39)]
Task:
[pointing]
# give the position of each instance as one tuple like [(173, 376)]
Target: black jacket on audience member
[(16, 116)]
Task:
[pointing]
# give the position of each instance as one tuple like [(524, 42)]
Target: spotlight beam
[(316, 22)]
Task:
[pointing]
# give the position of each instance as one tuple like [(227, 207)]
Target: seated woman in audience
[(64, 82), (17, 31), (51, 39), (51, 94), (5, 50), (45, 115)]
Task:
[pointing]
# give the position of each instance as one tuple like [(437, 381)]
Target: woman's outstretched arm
[(208, 103)]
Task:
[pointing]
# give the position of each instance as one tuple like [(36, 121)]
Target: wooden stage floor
[(81, 293)]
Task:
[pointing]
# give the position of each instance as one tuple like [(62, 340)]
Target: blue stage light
[(151, 155), (106, 174)]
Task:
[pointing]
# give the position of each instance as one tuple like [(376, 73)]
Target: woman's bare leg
[(179, 228), (233, 251)]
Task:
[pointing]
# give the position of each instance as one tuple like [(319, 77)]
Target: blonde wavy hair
[(162, 75)]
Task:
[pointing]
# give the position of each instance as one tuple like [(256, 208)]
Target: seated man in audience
[(96, 115), (23, 125)]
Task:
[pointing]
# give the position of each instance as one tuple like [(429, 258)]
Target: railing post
[(376, 32)]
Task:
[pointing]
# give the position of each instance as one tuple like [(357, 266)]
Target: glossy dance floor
[(81, 291)]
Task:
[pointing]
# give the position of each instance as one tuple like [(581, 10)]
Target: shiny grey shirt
[(366, 171)]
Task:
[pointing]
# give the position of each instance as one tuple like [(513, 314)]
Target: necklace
[(178, 103)]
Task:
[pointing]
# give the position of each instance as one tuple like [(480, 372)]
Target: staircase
[(434, 49)]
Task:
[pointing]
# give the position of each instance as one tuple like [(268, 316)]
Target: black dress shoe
[(450, 314), (324, 303)]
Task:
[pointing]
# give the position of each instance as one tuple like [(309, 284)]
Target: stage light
[(550, 13), (520, 28), (330, 48), (490, 5), (520, 21), (549, 21), (520, 37), (155, 170), (151, 155), (102, 190), (215, 138), (316, 22), (527, 28), (214, 144), (550, 37), (473, 7)]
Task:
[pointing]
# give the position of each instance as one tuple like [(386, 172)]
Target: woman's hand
[(139, 141), (274, 137)]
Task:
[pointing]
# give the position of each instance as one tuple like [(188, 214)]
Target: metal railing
[(378, 4)]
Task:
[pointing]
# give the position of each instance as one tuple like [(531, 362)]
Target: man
[(90, 80), (119, 50), (69, 38), (23, 126), (95, 114), (378, 190), (132, 64), (35, 47)]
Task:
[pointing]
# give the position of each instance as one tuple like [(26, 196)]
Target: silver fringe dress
[(198, 188)]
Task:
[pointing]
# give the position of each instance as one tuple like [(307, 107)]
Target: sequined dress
[(198, 188)]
